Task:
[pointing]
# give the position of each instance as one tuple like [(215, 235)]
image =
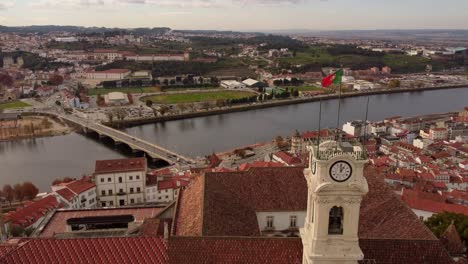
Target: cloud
[(6, 4), (114, 3), (269, 2)]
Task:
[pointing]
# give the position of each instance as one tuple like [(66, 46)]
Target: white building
[(356, 129), (232, 84), (160, 57), (108, 75), (116, 98), (76, 194), (120, 182)]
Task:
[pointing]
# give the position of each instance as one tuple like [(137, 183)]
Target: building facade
[(120, 182)]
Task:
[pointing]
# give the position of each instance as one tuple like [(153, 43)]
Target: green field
[(17, 104), (196, 97), (101, 91), (321, 57)]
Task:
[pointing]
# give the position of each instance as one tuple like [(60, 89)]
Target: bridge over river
[(136, 144)]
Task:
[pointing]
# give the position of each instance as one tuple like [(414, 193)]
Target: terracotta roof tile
[(212, 205), (66, 194), (120, 165), (32, 212), (90, 250)]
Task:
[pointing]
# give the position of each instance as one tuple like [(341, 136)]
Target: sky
[(243, 15)]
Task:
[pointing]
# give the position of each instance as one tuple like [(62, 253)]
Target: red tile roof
[(90, 250), (80, 186), (211, 206), (32, 212), (172, 184), (259, 164), (235, 250), (429, 205), (120, 165), (289, 250), (213, 160), (58, 222), (5, 249), (289, 159), (66, 194)]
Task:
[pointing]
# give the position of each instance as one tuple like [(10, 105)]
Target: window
[(159, 198), (421, 218), (335, 221), (111, 203), (269, 221), (120, 179), (110, 192), (102, 179), (109, 179), (138, 177), (166, 190), (121, 191), (167, 197), (138, 189), (130, 177), (132, 201), (103, 204), (293, 221), (131, 190), (103, 193)]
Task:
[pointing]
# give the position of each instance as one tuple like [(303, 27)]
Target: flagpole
[(319, 127), (338, 119), (365, 119)]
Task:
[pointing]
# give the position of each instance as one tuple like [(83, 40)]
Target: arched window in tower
[(335, 221)]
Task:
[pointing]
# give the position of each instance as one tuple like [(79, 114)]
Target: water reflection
[(44, 159)]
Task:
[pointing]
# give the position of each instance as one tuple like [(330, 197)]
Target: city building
[(108, 75), (120, 182), (76, 194), (232, 84)]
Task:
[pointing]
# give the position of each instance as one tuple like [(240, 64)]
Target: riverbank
[(32, 126), (268, 104)]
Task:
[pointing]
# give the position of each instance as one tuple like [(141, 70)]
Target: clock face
[(340, 171)]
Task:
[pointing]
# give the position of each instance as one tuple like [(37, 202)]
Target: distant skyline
[(240, 15)]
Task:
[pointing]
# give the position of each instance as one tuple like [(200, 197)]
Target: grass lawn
[(313, 55), (17, 104), (196, 97), (102, 91)]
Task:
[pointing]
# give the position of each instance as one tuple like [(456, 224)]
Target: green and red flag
[(334, 78)]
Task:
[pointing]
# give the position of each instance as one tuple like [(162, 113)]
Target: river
[(45, 159)]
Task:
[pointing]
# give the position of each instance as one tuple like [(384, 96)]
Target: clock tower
[(336, 185)]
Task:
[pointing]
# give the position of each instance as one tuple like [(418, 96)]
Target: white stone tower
[(336, 186), (297, 143)]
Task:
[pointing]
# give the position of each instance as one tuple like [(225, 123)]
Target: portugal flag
[(334, 78)]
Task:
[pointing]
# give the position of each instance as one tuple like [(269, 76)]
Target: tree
[(438, 223), (149, 103), (121, 113), (29, 190), (220, 103), (55, 79), (110, 116), (6, 80), (182, 107), (18, 189), (394, 84), (279, 140), (205, 105), (163, 109), (8, 193)]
